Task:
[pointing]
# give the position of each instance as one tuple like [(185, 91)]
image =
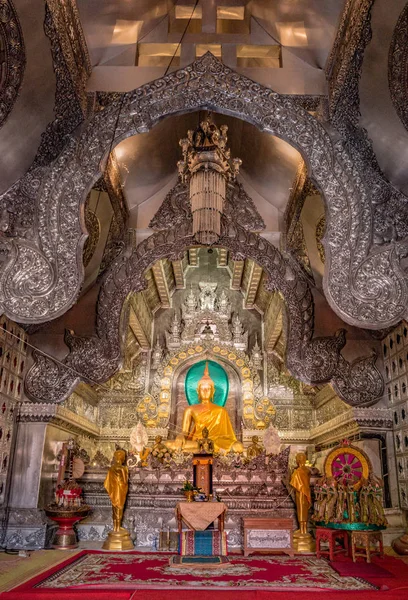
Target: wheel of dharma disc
[(347, 464)]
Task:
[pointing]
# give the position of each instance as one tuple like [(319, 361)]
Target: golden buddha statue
[(116, 484), (210, 416), (300, 481)]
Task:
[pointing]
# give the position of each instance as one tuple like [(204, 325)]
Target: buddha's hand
[(179, 441), (237, 447)]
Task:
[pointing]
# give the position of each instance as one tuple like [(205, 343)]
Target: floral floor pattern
[(96, 570)]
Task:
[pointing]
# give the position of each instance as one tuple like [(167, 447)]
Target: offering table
[(199, 515)]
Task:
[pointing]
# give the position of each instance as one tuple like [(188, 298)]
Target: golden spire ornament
[(206, 375)]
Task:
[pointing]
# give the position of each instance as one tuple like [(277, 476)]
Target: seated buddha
[(255, 449), (210, 416)]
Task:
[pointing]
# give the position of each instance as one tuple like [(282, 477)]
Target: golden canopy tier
[(206, 415)]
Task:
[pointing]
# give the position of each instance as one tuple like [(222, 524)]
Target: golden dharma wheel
[(347, 464)]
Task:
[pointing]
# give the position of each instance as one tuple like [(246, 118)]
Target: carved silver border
[(19, 202), (343, 71), (398, 67), (15, 57), (363, 284)]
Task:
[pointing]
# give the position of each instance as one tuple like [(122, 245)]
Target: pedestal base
[(400, 545), (118, 540), (303, 542), (65, 537)]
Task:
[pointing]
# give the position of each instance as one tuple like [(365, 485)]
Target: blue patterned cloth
[(203, 543)]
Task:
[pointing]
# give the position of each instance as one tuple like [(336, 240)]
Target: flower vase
[(189, 494)]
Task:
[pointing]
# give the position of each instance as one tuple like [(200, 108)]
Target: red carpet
[(360, 569), (135, 576)]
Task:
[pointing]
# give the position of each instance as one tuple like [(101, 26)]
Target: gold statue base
[(303, 543), (118, 540)]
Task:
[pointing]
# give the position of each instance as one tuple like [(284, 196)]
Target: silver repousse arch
[(364, 284), (311, 360)]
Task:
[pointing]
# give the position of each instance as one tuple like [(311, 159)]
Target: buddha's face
[(119, 457), (205, 391), (301, 459)]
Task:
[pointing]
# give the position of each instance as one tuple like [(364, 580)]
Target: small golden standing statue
[(300, 481), (116, 484)]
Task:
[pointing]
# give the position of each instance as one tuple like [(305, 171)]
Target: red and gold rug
[(135, 571)]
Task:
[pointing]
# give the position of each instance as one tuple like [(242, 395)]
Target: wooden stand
[(331, 536), (364, 543), (268, 535), (202, 469)]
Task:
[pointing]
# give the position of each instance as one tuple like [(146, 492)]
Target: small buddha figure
[(116, 484), (205, 445), (254, 449), (207, 415), (300, 481)]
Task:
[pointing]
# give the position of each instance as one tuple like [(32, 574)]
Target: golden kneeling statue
[(300, 481), (255, 449), (206, 415), (116, 484)]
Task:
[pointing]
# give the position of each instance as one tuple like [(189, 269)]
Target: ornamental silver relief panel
[(365, 286)]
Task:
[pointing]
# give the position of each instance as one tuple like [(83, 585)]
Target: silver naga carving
[(364, 283), (311, 360), (343, 71)]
